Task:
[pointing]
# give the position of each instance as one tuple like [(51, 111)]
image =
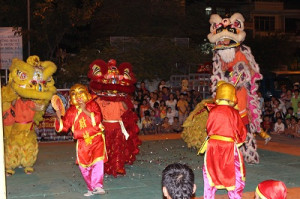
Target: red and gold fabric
[(88, 132), (226, 130), (271, 189), (242, 103)]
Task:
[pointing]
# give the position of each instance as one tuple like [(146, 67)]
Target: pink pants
[(209, 192), (93, 175)]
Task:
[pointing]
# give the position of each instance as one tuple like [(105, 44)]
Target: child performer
[(223, 163), (271, 189), (84, 119)]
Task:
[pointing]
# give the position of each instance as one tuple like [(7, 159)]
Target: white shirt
[(171, 116), (278, 127), (172, 104)]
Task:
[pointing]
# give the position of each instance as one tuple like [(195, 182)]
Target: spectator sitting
[(144, 107), (156, 109), (176, 126), (290, 113), (148, 124), (268, 109), (139, 96), (280, 115), (267, 124), (271, 189), (166, 126), (163, 109), (143, 87), (153, 99), (178, 182), (172, 102), (155, 122), (278, 105), (160, 96), (292, 129), (288, 98), (165, 92), (170, 114), (278, 127), (287, 125), (177, 94), (283, 93), (146, 97)]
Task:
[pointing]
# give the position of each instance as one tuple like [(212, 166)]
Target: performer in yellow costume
[(29, 89)]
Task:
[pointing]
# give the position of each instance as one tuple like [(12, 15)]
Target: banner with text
[(11, 46)]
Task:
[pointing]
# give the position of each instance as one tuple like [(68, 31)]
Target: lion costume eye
[(237, 24), (96, 70), (21, 75)]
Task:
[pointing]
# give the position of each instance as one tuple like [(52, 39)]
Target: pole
[(2, 168), (28, 26)]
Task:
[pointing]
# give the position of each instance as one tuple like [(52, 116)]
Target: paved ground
[(57, 176)]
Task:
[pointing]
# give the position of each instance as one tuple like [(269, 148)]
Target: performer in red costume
[(223, 163), (84, 119), (113, 85)]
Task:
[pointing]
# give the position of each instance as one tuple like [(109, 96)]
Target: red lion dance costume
[(113, 85), (234, 63)]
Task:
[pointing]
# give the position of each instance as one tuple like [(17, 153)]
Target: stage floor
[(57, 176)]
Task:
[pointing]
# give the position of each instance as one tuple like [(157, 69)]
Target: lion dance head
[(108, 79)]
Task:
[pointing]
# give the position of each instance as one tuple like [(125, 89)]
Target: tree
[(151, 58), (54, 23)]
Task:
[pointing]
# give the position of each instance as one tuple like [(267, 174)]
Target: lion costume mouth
[(226, 42)]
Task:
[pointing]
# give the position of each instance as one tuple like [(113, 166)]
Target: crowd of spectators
[(282, 115), (163, 110)]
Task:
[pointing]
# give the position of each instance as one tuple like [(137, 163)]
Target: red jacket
[(88, 132), (226, 122)]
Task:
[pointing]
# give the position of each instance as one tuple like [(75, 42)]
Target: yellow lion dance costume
[(24, 99)]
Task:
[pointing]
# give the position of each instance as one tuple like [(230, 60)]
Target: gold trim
[(93, 119), (222, 138), (61, 125), (260, 194), (96, 160), (241, 165), (76, 117)]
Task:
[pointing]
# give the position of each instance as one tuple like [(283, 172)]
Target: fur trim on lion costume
[(25, 97)]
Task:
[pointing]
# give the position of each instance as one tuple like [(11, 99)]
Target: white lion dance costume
[(24, 99), (234, 63)]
